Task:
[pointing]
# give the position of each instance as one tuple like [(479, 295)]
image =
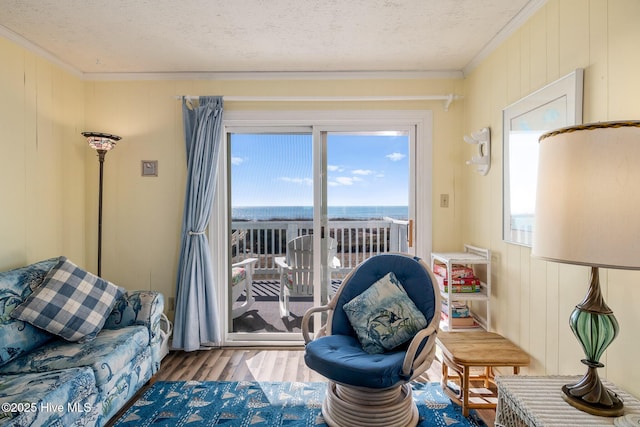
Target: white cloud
[(336, 182), (344, 180), (303, 181), (395, 157), (332, 168), (236, 160), (362, 172)]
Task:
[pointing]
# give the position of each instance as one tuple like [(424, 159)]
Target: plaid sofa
[(46, 380)]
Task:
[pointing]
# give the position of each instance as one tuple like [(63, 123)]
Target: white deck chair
[(242, 280), (296, 269)]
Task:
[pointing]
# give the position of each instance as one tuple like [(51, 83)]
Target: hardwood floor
[(237, 364), (259, 364)]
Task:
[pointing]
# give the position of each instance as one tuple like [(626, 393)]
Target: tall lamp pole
[(102, 143)]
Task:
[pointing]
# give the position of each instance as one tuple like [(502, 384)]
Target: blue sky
[(276, 170)]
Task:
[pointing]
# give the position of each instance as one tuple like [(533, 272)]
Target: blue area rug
[(210, 403)]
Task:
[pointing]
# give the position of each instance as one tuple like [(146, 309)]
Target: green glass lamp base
[(595, 327)]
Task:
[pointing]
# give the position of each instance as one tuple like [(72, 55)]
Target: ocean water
[(272, 213)]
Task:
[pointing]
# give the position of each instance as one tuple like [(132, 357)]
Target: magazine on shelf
[(459, 285), (466, 322), (459, 281), (458, 308), (457, 271)]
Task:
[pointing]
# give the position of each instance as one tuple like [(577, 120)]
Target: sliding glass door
[(306, 204), (271, 200), (369, 193)]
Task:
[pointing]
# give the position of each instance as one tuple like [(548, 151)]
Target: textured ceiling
[(170, 36)]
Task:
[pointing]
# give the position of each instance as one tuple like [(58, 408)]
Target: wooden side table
[(533, 401), (463, 350)]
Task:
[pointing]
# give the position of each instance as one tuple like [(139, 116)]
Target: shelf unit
[(472, 256)]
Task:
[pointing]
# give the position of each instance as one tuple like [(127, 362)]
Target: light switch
[(149, 168)]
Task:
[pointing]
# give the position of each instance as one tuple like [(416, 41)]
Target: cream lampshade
[(588, 213)]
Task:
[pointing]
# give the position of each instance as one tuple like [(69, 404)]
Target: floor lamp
[(587, 207), (102, 143)]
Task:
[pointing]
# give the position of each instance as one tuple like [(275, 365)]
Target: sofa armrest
[(142, 308)]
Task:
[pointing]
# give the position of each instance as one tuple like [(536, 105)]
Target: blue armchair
[(359, 348)]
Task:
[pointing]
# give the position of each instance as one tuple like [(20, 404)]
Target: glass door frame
[(321, 204), (420, 125)]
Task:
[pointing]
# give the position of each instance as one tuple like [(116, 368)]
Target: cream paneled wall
[(532, 299), (142, 215), (42, 160)]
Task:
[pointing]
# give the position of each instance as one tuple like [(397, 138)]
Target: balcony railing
[(357, 240)]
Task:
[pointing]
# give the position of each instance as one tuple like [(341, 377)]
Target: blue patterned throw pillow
[(384, 316), (71, 303)]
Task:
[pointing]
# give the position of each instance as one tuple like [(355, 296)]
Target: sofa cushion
[(71, 302), (56, 398), (16, 336), (107, 354), (384, 316)]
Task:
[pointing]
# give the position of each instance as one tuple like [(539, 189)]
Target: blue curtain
[(196, 319)]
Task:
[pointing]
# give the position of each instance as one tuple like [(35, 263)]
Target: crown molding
[(523, 16), (34, 48), (278, 75), (226, 75)]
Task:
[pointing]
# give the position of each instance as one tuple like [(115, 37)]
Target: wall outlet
[(444, 200), (172, 304)]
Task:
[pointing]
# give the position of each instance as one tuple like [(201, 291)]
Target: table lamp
[(588, 213)]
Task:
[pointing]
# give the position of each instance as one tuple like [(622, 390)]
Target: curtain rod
[(448, 99)]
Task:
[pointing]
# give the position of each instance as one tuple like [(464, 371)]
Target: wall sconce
[(483, 160), (102, 143)]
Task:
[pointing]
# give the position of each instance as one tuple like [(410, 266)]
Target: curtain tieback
[(195, 233)]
